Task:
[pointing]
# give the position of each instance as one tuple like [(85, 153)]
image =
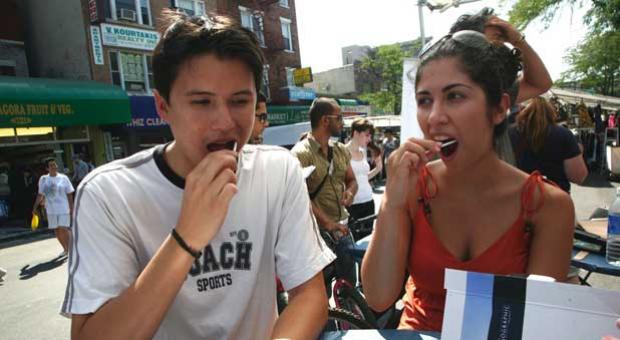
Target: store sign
[(143, 113), (92, 11), (121, 36), (301, 93), (302, 76), (281, 115), (95, 37), (355, 110)]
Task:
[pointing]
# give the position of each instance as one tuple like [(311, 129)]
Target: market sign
[(122, 36), (301, 93), (355, 110), (95, 37), (32, 102), (282, 115), (302, 76)]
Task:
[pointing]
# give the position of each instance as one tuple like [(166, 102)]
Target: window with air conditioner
[(138, 11), (286, 34), (131, 71), (191, 7), (253, 20)]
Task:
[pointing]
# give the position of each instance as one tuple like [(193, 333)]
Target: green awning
[(27, 102), (347, 102), (288, 114)]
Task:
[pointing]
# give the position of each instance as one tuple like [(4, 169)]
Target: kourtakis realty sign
[(121, 36)]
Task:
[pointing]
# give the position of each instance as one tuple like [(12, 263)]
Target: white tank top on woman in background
[(361, 169)]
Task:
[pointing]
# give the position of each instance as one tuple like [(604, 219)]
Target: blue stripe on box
[(478, 306)]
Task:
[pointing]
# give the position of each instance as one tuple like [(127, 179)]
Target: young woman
[(363, 205), (540, 144), (467, 210)]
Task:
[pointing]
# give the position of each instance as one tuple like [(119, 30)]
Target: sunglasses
[(469, 38), (262, 117), (338, 117)]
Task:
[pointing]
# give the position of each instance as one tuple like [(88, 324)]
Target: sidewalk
[(10, 231)]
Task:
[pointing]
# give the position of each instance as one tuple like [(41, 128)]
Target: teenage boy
[(184, 241)]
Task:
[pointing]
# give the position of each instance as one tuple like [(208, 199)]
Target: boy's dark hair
[(184, 37), (47, 161), (320, 107)]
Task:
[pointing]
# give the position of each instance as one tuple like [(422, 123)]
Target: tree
[(595, 62), (381, 72)]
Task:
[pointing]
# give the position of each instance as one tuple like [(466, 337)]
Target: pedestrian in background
[(261, 120), (362, 131), (332, 185), (388, 145), (56, 189), (541, 145), (80, 170)]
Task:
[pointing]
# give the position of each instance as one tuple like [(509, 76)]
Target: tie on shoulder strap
[(533, 194)]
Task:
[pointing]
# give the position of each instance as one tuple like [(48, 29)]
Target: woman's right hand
[(403, 168)]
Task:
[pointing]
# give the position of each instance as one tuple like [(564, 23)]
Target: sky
[(325, 26)]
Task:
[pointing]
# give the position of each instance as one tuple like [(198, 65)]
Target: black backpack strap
[(330, 157)]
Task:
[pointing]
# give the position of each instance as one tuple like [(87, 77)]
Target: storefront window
[(133, 72)]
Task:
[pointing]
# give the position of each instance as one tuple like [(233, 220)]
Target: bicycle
[(346, 295)]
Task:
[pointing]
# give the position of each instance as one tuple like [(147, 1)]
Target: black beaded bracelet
[(195, 253)]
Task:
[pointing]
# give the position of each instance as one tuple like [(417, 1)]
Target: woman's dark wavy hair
[(494, 67), (185, 37)]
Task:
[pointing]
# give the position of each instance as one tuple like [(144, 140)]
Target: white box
[(487, 306)]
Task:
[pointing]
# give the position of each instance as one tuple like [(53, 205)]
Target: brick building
[(13, 60)]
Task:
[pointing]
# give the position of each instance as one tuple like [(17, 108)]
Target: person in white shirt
[(185, 240), (363, 205), (57, 190)]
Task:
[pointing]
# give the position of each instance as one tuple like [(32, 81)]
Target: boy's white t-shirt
[(126, 209), (55, 190)]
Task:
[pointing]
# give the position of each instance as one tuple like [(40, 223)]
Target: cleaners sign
[(121, 36), (143, 113)]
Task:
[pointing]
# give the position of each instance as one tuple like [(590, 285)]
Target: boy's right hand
[(209, 188), (403, 167)]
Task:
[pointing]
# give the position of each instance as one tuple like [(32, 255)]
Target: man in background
[(57, 191), (260, 120)]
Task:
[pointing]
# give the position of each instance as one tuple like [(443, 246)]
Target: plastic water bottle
[(613, 232)]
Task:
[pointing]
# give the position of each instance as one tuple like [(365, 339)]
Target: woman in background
[(541, 145), (363, 205)]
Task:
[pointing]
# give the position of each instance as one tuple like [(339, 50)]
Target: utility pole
[(421, 4)]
